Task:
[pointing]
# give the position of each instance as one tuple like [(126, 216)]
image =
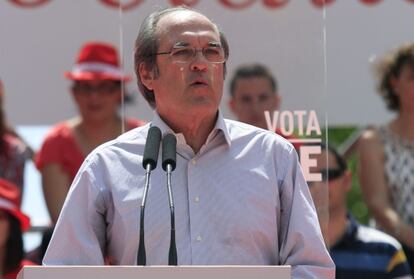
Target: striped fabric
[(367, 253)]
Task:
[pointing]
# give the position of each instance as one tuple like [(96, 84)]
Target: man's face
[(251, 98), (186, 89)]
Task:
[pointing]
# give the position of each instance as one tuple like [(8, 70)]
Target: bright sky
[(33, 201)]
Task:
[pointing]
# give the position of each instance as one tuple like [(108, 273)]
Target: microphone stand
[(141, 256), (172, 255), (149, 162), (169, 158)]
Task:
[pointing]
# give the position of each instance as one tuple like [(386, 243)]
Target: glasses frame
[(195, 51)]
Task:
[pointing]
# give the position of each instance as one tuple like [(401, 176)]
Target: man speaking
[(239, 195)]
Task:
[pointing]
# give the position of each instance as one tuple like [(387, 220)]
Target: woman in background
[(96, 89), (386, 153)]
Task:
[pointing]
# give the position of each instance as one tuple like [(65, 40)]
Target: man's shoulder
[(136, 133), (130, 142), (364, 239), (369, 253), (240, 130), (369, 235)]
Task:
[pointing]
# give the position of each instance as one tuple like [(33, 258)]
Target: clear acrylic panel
[(288, 38), (320, 59)]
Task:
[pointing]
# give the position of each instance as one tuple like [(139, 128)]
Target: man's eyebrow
[(186, 44), (181, 44), (214, 44)]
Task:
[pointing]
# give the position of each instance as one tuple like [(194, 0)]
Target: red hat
[(10, 202), (97, 61)]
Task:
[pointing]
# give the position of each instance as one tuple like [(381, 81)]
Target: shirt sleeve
[(134, 123), (60, 147), (50, 151), (398, 267), (301, 242), (79, 235)]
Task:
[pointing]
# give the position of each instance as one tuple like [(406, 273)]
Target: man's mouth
[(199, 82)]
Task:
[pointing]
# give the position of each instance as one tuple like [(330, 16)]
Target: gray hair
[(146, 46)]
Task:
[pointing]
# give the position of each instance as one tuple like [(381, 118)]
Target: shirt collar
[(219, 126)]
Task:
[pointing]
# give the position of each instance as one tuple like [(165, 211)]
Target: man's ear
[(347, 180), (278, 100), (146, 75)]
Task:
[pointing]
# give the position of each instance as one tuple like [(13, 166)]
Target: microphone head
[(169, 156), (152, 147)]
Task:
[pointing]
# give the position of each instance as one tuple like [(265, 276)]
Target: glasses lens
[(214, 54), (187, 54), (182, 55)]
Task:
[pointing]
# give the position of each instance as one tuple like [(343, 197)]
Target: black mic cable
[(169, 146), (149, 162)]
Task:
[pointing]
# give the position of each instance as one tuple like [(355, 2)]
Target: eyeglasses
[(213, 54), (104, 88), (331, 174)]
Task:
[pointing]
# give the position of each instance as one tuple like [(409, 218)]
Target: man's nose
[(256, 106), (199, 62)]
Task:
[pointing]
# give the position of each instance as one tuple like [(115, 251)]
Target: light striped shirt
[(241, 200)]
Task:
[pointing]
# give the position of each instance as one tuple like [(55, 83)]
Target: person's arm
[(301, 243), (376, 191), (79, 235), (55, 184)]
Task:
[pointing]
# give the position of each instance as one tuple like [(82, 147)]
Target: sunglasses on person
[(104, 88), (331, 174)]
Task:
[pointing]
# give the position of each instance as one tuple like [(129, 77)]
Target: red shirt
[(60, 147)]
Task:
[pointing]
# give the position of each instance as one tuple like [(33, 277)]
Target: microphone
[(169, 157), (149, 162), (152, 147)]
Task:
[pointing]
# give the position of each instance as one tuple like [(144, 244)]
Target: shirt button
[(193, 161), (196, 199), (199, 238)]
